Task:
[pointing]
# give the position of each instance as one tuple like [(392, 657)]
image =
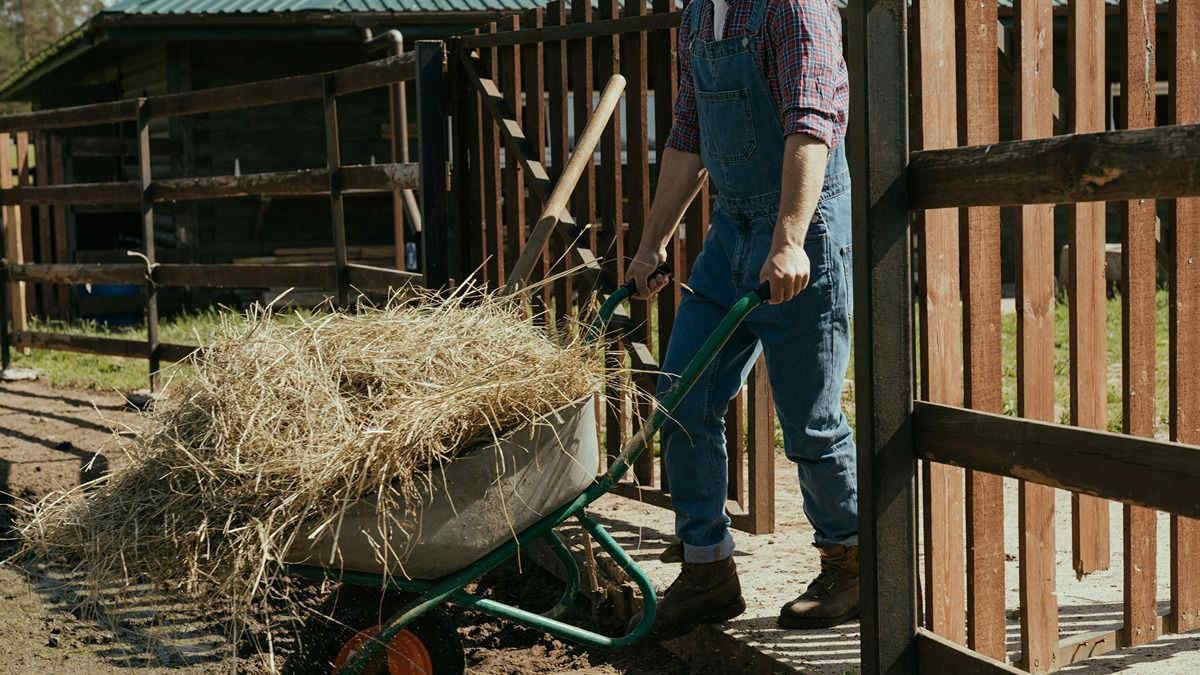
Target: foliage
[(29, 26)]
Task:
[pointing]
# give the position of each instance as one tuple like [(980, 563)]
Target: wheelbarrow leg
[(571, 569)]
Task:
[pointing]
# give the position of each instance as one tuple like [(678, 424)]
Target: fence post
[(5, 356), (883, 335), (147, 209), (333, 161), (439, 241)]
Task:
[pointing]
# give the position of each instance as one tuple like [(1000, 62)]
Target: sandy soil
[(54, 438)]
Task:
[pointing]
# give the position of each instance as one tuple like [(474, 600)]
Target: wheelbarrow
[(413, 644)]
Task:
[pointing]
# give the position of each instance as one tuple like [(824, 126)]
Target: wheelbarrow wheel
[(428, 646)]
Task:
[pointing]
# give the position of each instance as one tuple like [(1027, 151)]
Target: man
[(762, 108)]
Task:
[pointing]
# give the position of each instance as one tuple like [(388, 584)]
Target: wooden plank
[(12, 240), (84, 115), (979, 246), (609, 190), (534, 84), (333, 165), (438, 238), (761, 407), (1185, 316), (1077, 648), (1138, 326), (1065, 169), (25, 154), (941, 324), (69, 273), (1035, 340), (558, 84), (878, 141), (936, 654), (1130, 469), (635, 48), (45, 250), (133, 349), (375, 74), (307, 275), (1088, 299), (147, 213), (663, 79), (735, 448), (77, 193), (478, 188), (398, 148), (582, 90), (493, 200), (514, 176), (589, 29), (62, 250)]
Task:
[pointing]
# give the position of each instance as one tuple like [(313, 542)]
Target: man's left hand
[(787, 271)]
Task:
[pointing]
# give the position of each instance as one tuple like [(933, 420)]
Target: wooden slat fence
[(53, 272), (507, 68), (955, 183)]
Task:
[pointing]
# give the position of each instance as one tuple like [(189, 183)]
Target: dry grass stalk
[(286, 424)]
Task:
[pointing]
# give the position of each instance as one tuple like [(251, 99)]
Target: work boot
[(672, 553), (702, 593), (831, 598)]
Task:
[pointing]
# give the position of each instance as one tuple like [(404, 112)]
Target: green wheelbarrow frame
[(429, 594)]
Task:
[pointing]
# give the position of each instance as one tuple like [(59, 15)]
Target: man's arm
[(679, 180), (787, 267)]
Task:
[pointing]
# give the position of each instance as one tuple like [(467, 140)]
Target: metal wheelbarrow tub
[(427, 595), (482, 497)]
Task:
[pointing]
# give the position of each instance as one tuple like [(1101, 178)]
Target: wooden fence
[(956, 193), (507, 145), (426, 65)]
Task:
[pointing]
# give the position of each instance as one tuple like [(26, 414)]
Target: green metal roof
[(281, 6)]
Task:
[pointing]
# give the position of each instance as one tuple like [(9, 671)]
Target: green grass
[(90, 371), (1062, 363)]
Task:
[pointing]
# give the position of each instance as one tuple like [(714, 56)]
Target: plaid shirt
[(801, 54)]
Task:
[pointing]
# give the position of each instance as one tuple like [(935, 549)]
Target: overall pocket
[(726, 127)]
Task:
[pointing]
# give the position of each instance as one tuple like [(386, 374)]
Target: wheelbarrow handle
[(630, 289)]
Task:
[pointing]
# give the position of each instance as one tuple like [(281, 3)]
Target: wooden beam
[(1185, 315), (308, 275), (147, 213), (1139, 325), (1141, 471), (941, 323), (979, 231), (591, 29), (439, 240), (333, 165), (1112, 166), (1088, 298), (878, 41), (939, 655), (78, 273), (84, 115), (1035, 340), (133, 349)]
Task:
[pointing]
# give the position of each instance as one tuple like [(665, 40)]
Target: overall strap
[(758, 14), (697, 9)]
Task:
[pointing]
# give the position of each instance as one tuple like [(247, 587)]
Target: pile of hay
[(285, 424)]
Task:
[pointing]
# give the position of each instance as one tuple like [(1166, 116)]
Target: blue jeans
[(807, 346)]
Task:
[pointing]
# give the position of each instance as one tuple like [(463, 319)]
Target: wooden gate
[(946, 199), (523, 91)]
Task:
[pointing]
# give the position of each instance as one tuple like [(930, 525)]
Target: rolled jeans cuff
[(708, 554), (826, 543)]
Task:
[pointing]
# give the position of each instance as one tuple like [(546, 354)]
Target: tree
[(29, 26)]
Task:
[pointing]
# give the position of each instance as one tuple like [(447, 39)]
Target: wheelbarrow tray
[(481, 498)]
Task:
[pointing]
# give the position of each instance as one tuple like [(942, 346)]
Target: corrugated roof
[(280, 6)]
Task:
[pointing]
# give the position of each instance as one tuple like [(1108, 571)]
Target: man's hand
[(786, 270), (641, 270)]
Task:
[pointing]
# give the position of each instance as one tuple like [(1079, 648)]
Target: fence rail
[(336, 180)]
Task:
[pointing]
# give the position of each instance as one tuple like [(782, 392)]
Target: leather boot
[(831, 598), (702, 593)]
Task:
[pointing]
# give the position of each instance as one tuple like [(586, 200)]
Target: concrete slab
[(775, 568)]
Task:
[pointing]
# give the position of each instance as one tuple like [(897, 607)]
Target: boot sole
[(678, 631), (803, 623)]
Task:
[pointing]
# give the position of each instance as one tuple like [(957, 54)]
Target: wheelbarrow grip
[(630, 287)]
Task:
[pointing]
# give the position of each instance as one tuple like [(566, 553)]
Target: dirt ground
[(54, 438)]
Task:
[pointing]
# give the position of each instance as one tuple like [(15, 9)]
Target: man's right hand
[(641, 270)]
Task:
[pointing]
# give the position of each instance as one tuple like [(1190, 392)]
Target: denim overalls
[(806, 340)]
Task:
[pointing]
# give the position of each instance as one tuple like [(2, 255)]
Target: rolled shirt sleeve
[(685, 129), (806, 46)]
